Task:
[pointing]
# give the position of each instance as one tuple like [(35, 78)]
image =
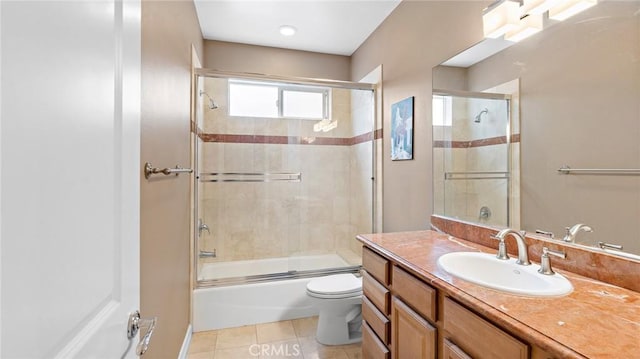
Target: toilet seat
[(335, 286)]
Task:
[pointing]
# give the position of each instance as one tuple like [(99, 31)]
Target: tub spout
[(206, 254)]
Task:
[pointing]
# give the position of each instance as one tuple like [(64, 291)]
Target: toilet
[(339, 301)]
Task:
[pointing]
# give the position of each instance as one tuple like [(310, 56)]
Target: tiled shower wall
[(321, 214)]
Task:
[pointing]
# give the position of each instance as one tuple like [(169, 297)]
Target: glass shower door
[(280, 196)]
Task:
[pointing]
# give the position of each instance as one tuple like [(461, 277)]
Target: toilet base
[(341, 327)]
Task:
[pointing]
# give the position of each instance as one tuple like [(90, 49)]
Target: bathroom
[(400, 54)]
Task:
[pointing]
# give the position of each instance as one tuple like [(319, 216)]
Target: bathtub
[(230, 306)]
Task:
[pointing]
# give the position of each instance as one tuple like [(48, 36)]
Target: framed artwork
[(402, 130)]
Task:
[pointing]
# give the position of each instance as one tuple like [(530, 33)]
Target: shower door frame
[(292, 274), (488, 96)]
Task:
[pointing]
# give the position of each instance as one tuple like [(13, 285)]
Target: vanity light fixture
[(564, 9), (500, 17), (537, 7), (287, 30), (527, 26)]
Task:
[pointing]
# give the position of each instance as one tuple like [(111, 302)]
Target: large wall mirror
[(576, 88)]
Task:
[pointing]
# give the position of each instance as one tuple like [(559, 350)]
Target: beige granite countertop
[(597, 320)]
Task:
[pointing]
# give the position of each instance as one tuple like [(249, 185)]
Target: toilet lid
[(336, 284)]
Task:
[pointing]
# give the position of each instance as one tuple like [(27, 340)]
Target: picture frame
[(402, 130)]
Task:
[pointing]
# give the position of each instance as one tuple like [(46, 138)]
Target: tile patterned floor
[(286, 339)]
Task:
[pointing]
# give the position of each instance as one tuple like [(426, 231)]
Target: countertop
[(597, 320)]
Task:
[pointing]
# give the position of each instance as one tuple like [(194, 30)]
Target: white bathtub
[(245, 304)]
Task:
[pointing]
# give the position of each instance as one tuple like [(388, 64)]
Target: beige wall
[(417, 36), (168, 30), (226, 56)]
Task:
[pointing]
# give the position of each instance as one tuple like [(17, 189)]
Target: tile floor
[(286, 339)]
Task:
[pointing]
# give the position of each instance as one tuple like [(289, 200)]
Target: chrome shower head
[(212, 104), (479, 116)]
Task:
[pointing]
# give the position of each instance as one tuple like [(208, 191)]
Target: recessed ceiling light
[(287, 30)]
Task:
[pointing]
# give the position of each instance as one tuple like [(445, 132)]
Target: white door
[(70, 147)]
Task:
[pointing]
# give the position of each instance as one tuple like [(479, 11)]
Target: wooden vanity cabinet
[(399, 311), (452, 351), (477, 337), (407, 318), (411, 335)]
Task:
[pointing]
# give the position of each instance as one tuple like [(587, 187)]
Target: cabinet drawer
[(376, 293), (372, 348), (376, 320), (479, 338), (419, 295), (452, 351), (375, 265)]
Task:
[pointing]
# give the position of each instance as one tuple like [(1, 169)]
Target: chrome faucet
[(545, 262), (207, 254), (572, 232), (523, 256), (202, 227)]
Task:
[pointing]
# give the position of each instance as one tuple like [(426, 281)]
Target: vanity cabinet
[(399, 312), (411, 335), (476, 337), (407, 318)]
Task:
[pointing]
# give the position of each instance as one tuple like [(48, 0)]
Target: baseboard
[(185, 344)]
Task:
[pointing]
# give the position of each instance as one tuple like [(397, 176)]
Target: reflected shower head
[(479, 116), (212, 104)]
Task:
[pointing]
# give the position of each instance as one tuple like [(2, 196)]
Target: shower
[(212, 104), (472, 181), (281, 207), (479, 116)]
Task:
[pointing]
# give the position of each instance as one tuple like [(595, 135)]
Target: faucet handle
[(545, 262), (502, 248), (545, 233)]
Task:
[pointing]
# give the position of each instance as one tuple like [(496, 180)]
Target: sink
[(504, 275)]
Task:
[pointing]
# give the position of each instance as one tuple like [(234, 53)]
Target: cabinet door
[(412, 337), (452, 351)]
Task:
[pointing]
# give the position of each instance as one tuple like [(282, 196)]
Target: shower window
[(268, 100), (442, 110), (253, 100)]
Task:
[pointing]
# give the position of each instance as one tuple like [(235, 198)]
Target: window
[(442, 110), (270, 100)]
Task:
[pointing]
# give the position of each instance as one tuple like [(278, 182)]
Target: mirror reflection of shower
[(471, 162), (212, 104)]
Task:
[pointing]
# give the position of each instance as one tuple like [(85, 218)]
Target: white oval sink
[(504, 275)]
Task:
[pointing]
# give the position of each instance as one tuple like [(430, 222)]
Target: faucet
[(207, 254), (545, 262), (523, 256), (202, 227), (570, 236)]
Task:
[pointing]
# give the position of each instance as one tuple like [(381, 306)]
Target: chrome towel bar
[(475, 175), (250, 177), (601, 171), (149, 170)]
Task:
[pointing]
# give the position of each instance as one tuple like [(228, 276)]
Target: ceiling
[(326, 26)]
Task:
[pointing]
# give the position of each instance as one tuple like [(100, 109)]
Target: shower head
[(479, 116), (212, 104)]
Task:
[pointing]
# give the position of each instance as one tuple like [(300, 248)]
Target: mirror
[(579, 107)]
